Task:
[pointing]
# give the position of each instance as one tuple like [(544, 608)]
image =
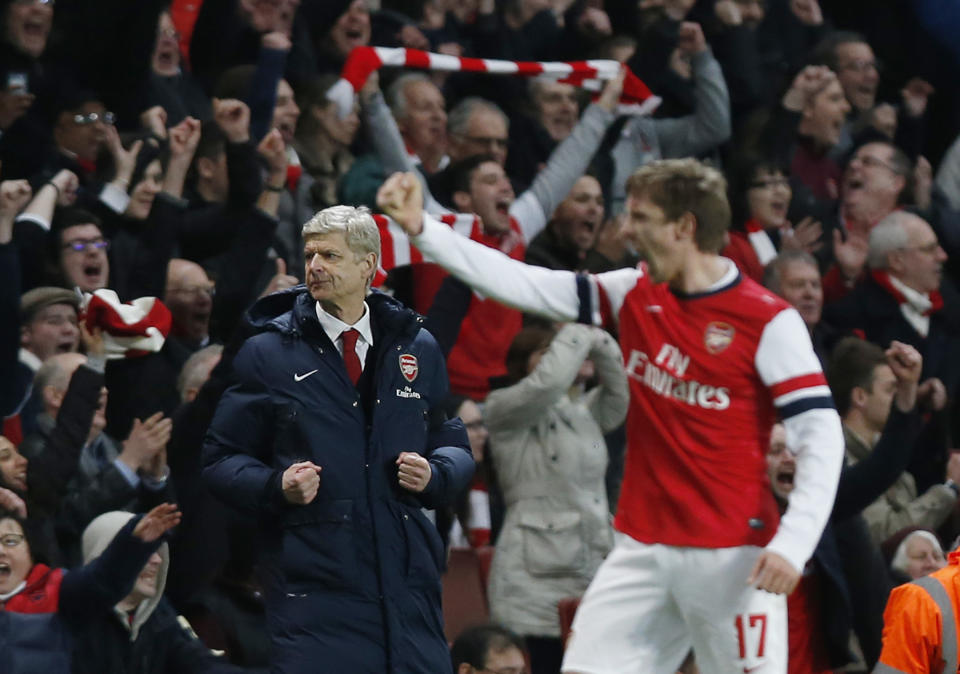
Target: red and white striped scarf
[(397, 251), (591, 75), (134, 329)]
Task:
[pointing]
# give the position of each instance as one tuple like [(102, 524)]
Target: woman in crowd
[(323, 140), (546, 440), (918, 554), (760, 196)]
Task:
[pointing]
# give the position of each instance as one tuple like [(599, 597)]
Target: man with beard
[(711, 358)]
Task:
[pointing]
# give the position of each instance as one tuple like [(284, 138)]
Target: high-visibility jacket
[(920, 624)]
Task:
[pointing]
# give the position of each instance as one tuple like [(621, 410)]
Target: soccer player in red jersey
[(702, 558)]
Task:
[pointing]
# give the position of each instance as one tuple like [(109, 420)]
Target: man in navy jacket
[(334, 433)]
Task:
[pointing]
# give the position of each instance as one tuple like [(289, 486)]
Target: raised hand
[(915, 96), (728, 13), (154, 120), (906, 363), (808, 12), (14, 196), (414, 471), (157, 522), (610, 96), (281, 280), (67, 185), (301, 482), (274, 151), (850, 254), (690, 40), (10, 501), (93, 342), (233, 117), (806, 85), (184, 138), (124, 160), (932, 394), (401, 197), (804, 236)]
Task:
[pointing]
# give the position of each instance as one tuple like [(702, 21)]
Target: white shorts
[(649, 604)]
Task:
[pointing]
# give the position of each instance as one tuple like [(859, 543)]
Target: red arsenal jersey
[(707, 373)]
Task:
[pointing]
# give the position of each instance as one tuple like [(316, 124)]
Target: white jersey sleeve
[(555, 294), (546, 292), (787, 364)]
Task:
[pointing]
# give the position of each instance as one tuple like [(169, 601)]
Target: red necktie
[(350, 358)]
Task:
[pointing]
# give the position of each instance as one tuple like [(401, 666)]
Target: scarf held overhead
[(364, 61)]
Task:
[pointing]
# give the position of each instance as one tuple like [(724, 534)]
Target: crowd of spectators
[(174, 151)]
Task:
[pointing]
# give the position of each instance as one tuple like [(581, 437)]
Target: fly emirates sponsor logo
[(664, 376)]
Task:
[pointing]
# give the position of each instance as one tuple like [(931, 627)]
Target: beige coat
[(900, 506), (550, 458)]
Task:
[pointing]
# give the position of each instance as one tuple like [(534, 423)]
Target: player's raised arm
[(549, 293)]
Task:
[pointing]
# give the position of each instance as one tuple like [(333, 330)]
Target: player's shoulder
[(755, 301)]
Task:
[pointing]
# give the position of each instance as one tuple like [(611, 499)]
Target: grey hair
[(51, 373), (459, 116), (397, 99), (194, 372), (773, 274), (900, 559), (357, 225), (887, 236)]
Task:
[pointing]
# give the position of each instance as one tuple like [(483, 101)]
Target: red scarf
[(882, 279)]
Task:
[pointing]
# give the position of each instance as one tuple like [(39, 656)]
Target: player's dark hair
[(474, 643), (852, 364)]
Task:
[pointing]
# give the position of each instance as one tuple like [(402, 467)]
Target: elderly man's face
[(28, 25), (52, 330), (557, 108), (857, 71), (485, 133), (189, 296), (335, 274), (800, 285), (352, 29), (425, 123), (83, 257), (872, 178), (82, 131), (920, 264)]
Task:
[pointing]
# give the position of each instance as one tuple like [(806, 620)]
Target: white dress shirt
[(333, 326)]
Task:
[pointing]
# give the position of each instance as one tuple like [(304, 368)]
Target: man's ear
[(462, 201), (858, 396), (686, 226), (369, 262), (24, 336), (465, 668), (895, 262)]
